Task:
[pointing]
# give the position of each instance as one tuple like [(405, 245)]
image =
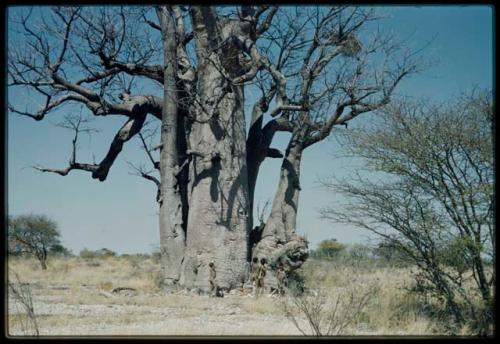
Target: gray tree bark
[(280, 243), (172, 231), (218, 189)]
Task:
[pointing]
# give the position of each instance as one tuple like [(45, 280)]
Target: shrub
[(432, 198), (21, 292), (103, 252), (327, 315), (328, 249), (87, 254)]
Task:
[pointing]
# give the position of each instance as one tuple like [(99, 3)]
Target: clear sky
[(121, 213)]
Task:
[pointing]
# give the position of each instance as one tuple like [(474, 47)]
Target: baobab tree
[(313, 67)]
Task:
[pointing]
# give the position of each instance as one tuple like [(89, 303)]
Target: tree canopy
[(428, 191), (34, 234)]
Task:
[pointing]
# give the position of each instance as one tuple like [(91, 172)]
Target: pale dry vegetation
[(380, 296), (74, 296)]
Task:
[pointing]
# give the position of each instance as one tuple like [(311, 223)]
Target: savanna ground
[(75, 297)]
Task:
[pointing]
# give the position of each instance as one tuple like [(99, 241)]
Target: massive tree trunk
[(207, 184), (218, 188), (172, 231), (280, 243), (258, 149), (218, 212)]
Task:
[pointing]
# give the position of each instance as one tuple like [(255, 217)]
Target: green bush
[(87, 254), (103, 252), (329, 248)]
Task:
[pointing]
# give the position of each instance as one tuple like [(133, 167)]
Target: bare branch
[(101, 170), (155, 163), (142, 172), (267, 21)]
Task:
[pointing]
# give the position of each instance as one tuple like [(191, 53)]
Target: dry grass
[(391, 311), (73, 297)]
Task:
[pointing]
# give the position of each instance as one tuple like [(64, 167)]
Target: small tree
[(104, 252), (329, 248), (87, 254), (33, 234), (433, 199)]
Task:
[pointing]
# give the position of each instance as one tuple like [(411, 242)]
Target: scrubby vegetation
[(427, 188), (369, 296), (103, 252), (323, 272)]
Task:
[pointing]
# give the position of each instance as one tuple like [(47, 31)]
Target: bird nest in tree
[(351, 46)]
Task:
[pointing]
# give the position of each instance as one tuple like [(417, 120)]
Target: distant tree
[(358, 253), (436, 201), (329, 248), (107, 252), (87, 254), (103, 252), (33, 234)]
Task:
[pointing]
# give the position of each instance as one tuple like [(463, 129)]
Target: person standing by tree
[(281, 277), (254, 268), (261, 274), (211, 279)]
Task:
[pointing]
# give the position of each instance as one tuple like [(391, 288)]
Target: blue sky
[(121, 213)]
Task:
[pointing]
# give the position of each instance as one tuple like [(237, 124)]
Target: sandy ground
[(131, 314), (75, 297)]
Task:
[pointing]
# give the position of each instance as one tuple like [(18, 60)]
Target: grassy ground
[(73, 297)]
